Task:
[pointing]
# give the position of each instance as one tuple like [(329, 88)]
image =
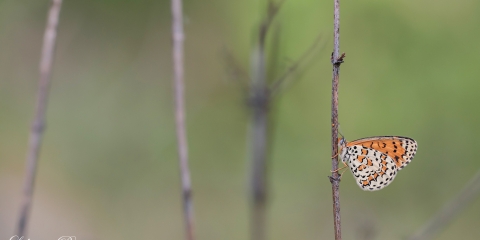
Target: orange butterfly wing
[(400, 149)]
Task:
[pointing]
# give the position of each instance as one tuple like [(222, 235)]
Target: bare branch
[(38, 125), (236, 71), (178, 71), (290, 70), (366, 230), (273, 9), (335, 177), (438, 222), (259, 101)]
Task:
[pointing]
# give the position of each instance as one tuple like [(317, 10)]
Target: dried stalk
[(438, 222), (178, 71), (259, 165), (335, 178), (259, 102), (294, 67), (38, 125)]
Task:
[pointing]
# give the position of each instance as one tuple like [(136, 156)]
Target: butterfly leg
[(338, 152), (338, 169)]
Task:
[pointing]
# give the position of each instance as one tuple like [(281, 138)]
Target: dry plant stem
[(259, 169), (178, 71), (259, 101), (335, 178), (438, 222), (276, 85), (236, 71), (38, 125)]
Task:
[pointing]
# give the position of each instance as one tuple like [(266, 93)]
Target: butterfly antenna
[(340, 131)]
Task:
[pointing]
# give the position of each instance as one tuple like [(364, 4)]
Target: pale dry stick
[(259, 166), (239, 74), (259, 102), (38, 125), (179, 92), (470, 192), (335, 177), (292, 68)]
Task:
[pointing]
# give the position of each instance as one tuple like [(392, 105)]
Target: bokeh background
[(108, 167)]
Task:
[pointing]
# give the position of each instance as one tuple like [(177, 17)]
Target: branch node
[(38, 127), (339, 59), (259, 100), (335, 178)]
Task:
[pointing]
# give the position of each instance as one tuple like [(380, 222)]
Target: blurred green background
[(108, 167)]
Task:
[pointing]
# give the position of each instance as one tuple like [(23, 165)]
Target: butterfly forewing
[(400, 149)]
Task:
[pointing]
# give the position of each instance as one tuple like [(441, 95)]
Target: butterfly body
[(375, 161)]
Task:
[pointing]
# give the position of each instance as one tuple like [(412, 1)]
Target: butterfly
[(375, 161)]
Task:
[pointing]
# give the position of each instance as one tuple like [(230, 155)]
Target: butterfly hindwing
[(375, 161), (372, 169)]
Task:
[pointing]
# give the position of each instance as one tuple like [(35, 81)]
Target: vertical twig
[(335, 178), (259, 102), (178, 71), (450, 211), (38, 124), (275, 87), (260, 97), (259, 166)]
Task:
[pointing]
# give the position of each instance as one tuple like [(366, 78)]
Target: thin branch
[(438, 222), (236, 71), (178, 71), (276, 85), (335, 178), (38, 125), (259, 102), (273, 9), (259, 144), (366, 230)]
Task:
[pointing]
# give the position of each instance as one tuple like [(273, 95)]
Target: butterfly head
[(342, 143)]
